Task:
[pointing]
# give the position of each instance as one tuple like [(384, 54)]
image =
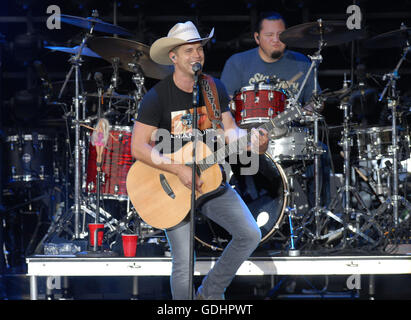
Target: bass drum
[(266, 195)]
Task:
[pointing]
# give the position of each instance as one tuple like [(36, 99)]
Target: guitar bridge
[(166, 187)]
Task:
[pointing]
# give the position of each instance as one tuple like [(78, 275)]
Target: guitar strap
[(211, 100)]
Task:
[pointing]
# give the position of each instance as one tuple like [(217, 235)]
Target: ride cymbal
[(392, 39), (308, 35), (131, 56)]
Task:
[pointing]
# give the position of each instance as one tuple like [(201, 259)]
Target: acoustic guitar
[(159, 197)]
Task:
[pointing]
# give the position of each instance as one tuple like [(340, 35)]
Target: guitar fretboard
[(240, 144)]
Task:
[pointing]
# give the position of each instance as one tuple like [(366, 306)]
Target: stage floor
[(352, 267)]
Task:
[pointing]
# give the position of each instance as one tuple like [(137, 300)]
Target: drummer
[(270, 58), (271, 61)]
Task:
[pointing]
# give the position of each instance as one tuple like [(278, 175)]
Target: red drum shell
[(254, 105), (117, 161)]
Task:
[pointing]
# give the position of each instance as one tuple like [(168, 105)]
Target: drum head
[(265, 195)]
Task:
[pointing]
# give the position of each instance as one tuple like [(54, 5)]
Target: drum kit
[(280, 190), (75, 97), (278, 194)]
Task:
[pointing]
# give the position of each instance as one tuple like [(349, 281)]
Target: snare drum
[(29, 157), (297, 144), (254, 105), (117, 161)]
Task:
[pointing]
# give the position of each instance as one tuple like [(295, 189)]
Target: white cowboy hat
[(181, 33)]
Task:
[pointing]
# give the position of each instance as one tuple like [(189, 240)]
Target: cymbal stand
[(393, 102), (114, 81), (138, 80), (76, 61), (316, 59), (347, 189)]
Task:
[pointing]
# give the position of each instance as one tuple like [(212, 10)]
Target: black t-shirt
[(170, 109)]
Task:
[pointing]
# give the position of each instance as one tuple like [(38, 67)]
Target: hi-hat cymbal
[(131, 54), (99, 25), (392, 39), (308, 35), (85, 52)]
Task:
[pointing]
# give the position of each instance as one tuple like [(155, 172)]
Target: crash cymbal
[(85, 52), (392, 39), (130, 53), (307, 35), (99, 25)]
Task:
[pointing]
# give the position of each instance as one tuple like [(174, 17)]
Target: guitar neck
[(234, 147)]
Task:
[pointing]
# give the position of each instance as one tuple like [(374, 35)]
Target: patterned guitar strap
[(211, 100)]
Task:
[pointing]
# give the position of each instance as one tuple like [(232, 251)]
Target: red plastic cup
[(129, 244), (92, 227)]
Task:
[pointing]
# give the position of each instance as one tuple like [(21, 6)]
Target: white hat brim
[(160, 48)]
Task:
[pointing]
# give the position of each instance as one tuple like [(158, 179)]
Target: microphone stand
[(99, 168), (194, 138)]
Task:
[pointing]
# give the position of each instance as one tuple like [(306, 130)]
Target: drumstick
[(91, 128), (356, 169), (296, 77)]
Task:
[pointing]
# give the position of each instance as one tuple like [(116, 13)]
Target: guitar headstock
[(290, 114)]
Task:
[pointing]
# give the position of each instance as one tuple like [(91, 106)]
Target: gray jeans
[(231, 213)]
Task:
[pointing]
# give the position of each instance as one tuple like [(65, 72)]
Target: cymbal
[(392, 39), (114, 95), (85, 52), (99, 25), (307, 35), (337, 93), (86, 86), (130, 53)]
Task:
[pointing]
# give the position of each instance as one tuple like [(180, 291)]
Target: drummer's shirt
[(170, 109), (246, 68)]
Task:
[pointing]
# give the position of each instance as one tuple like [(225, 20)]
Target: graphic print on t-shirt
[(289, 85), (182, 122)]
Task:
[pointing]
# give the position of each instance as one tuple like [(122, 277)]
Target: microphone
[(98, 77), (197, 67)]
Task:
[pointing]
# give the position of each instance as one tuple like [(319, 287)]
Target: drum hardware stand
[(316, 59), (347, 188), (293, 252), (393, 102), (138, 80), (113, 82), (60, 223), (76, 63), (292, 214), (109, 220)]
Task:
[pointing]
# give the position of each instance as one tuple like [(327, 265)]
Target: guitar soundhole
[(166, 187)]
